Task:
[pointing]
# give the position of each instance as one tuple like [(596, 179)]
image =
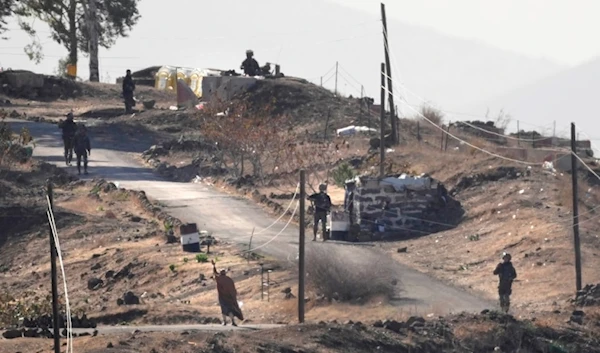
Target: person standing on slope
[(227, 296), (128, 88), (68, 127), (322, 203), (82, 146), (507, 274)]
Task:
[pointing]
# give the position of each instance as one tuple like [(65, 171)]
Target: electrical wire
[(277, 220), (276, 235)]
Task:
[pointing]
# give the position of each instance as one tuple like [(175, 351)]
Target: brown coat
[(228, 295)]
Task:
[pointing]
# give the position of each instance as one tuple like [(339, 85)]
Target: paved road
[(230, 217)]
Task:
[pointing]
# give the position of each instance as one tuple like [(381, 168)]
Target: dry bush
[(349, 273), (432, 114)]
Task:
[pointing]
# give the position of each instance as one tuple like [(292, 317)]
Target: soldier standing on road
[(128, 89), (507, 274), (322, 203), (227, 296), (68, 127), (81, 144)]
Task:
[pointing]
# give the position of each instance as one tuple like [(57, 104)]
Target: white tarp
[(408, 182), (351, 130)]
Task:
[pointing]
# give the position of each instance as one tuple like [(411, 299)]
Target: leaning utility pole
[(389, 76), (382, 121), (91, 19), (576, 241), (301, 269), (55, 321)]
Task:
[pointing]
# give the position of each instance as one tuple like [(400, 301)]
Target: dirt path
[(226, 216)]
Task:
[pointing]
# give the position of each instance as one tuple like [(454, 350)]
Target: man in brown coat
[(227, 296)]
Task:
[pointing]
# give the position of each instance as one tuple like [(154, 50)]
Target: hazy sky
[(564, 31)]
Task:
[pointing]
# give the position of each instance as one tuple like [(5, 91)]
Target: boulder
[(10, 334), (95, 283), (131, 299)]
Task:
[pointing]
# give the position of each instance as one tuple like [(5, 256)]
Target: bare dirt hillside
[(509, 206)]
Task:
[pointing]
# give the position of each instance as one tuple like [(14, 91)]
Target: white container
[(190, 242)]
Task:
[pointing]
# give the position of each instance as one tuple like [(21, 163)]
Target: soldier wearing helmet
[(250, 65), (69, 128), (322, 203), (507, 274)]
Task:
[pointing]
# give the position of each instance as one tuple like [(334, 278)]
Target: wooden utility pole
[(442, 139), (53, 277), (336, 77), (91, 19), (362, 102), (576, 241), (389, 76), (321, 81), (301, 270), (518, 134), (447, 135), (382, 123)]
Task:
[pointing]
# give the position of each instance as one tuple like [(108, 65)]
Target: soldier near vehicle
[(250, 65), (322, 203), (507, 274), (69, 128), (227, 296)]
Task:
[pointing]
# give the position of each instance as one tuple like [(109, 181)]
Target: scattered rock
[(131, 299), (135, 219), (402, 250), (95, 283), (394, 325), (96, 267), (588, 296), (10, 334)]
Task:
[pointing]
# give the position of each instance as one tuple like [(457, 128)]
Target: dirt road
[(226, 216)]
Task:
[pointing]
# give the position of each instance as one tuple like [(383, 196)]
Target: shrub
[(342, 173), (350, 273), (202, 258), (172, 267), (432, 114)]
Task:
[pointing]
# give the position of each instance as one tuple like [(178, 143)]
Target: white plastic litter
[(352, 129)]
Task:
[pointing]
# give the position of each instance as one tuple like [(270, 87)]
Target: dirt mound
[(36, 87), (499, 173), (304, 101)]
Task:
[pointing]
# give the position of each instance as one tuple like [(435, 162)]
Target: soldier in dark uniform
[(322, 203), (250, 66), (82, 146), (507, 274), (68, 127), (128, 89)]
